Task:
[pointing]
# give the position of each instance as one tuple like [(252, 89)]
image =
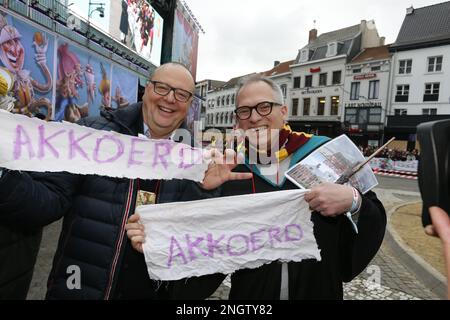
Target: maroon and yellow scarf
[(290, 141)]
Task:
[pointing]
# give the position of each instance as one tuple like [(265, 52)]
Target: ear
[(284, 111)]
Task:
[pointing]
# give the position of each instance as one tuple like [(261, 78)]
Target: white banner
[(222, 235), (31, 144), (412, 165)]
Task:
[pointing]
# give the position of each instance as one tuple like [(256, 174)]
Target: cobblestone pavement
[(396, 281)]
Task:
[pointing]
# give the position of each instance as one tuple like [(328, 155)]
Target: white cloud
[(244, 36)]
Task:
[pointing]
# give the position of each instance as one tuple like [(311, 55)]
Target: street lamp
[(100, 8)]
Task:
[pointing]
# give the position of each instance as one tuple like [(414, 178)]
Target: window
[(306, 106), (304, 55), (429, 112), (435, 64), (354, 91), (218, 101), (228, 100), (296, 82), (232, 99), (283, 88), (308, 81), (321, 106), (357, 70), (374, 89), (223, 100), (400, 112), (431, 92), (363, 115), (405, 66), (375, 115), (402, 93), (334, 106), (377, 68), (350, 115), (332, 49), (294, 107), (337, 77), (323, 79)]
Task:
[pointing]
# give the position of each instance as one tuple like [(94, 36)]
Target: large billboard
[(185, 41), (138, 25), (83, 86), (55, 79), (124, 88), (28, 54)]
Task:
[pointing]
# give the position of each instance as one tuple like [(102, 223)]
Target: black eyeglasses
[(263, 109), (163, 89)]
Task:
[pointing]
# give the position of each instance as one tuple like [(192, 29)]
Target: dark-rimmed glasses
[(263, 109), (163, 89)]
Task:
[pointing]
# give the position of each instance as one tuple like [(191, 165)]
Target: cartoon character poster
[(185, 43), (27, 53), (83, 86), (124, 87)]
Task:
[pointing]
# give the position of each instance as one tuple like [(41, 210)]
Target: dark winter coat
[(18, 252), (344, 254), (95, 210)]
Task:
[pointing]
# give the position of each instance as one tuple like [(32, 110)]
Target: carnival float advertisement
[(185, 43), (83, 86), (26, 53), (124, 84)]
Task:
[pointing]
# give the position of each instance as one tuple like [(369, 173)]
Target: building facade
[(420, 90), (201, 90), (365, 96), (318, 77)]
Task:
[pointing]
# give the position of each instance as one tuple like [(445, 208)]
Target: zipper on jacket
[(120, 240)]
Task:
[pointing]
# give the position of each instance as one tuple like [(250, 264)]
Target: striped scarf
[(290, 141)]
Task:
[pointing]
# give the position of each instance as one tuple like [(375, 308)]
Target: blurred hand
[(441, 225), (330, 199), (220, 169), (135, 232)]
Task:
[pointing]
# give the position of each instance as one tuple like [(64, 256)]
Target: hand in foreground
[(220, 169), (135, 232), (330, 199)]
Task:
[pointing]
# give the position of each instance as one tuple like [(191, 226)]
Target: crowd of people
[(392, 154)]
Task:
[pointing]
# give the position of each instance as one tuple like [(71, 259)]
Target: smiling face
[(164, 114), (13, 54), (260, 130)]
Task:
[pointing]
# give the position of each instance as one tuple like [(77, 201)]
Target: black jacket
[(95, 211), (18, 253), (344, 254)]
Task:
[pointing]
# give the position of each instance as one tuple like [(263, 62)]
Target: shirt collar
[(148, 135)]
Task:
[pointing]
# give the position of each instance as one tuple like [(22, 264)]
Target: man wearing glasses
[(262, 114), (94, 259)]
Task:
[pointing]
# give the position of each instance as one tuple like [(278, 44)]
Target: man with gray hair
[(262, 114)]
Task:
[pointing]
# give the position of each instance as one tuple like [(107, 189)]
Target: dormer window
[(304, 55), (332, 49)]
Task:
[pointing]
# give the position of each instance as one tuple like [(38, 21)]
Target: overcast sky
[(244, 36)]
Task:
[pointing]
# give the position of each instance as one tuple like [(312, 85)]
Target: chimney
[(363, 25), (409, 10), (382, 41), (276, 63), (312, 35)]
